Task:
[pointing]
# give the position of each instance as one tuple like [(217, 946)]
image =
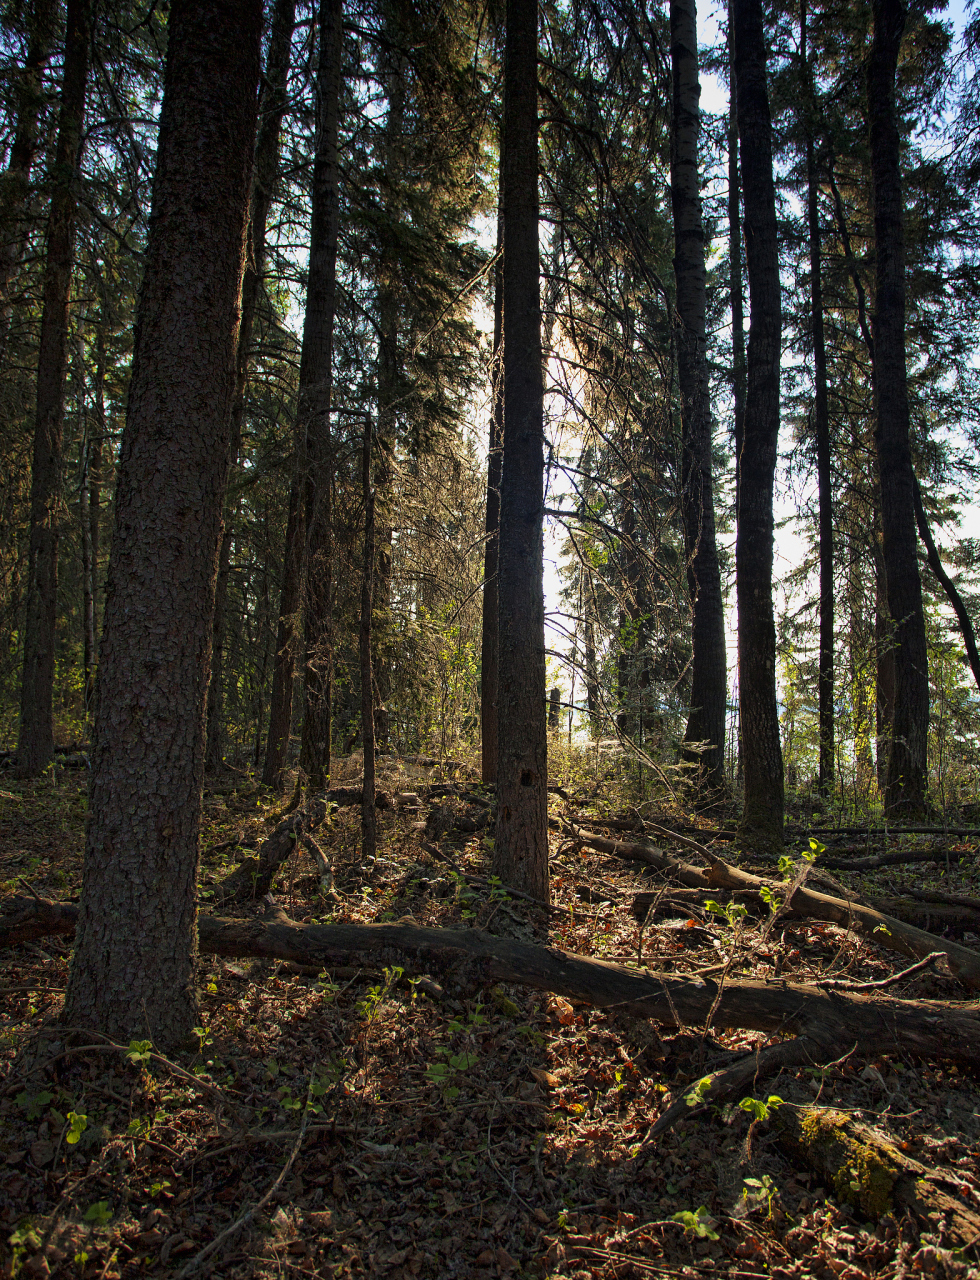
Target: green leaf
[(98, 1213)]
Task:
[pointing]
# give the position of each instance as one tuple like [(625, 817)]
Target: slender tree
[(369, 820), (489, 658), (134, 970), (762, 816), (273, 100), (15, 181), (315, 385), (521, 841), (709, 683), (35, 744), (905, 785), (821, 426)]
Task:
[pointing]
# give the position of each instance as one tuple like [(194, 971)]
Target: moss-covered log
[(870, 1173)]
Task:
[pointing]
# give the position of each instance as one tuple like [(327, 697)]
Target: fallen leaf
[(545, 1077), (42, 1152), (504, 1261)]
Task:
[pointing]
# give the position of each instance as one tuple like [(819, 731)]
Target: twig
[(841, 984), (678, 839), (199, 1259), (30, 888)]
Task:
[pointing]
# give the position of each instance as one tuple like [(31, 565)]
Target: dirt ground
[(404, 1133)]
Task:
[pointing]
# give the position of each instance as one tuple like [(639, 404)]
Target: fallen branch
[(470, 959), (870, 1173), (889, 932), (899, 858), (879, 984)]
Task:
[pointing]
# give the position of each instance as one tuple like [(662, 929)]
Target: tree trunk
[(284, 659), (520, 855), (762, 816), (735, 256), (315, 388), (489, 659), (709, 680), (94, 515), (35, 745), (369, 829), (85, 537), (821, 424), (28, 96), (905, 786), (134, 971), (272, 108)]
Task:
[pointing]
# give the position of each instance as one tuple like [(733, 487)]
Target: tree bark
[(762, 815), (134, 967), (709, 679), (470, 958), (735, 256), (284, 658), (821, 426), (905, 785), (35, 744), (272, 108), (489, 656), (315, 390), (369, 820), (28, 95), (520, 855)]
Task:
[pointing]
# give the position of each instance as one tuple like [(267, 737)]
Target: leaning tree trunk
[(134, 971), (709, 679), (273, 101), (821, 424), (28, 95), (35, 744), (762, 762), (521, 840), (489, 653), (315, 388), (905, 785)]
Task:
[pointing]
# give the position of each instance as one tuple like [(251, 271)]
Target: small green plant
[(757, 1192), (204, 1037), (733, 912), (98, 1214), (758, 1109), (157, 1187), (139, 1051), (34, 1104), (371, 1004), (699, 1223), (444, 1074), (78, 1124), (325, 987), (770, 899), (698, 1091)]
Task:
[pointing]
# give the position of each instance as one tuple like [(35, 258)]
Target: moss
[(862, 1172)]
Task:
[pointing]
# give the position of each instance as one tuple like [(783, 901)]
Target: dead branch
[(888, 931), (899, 858), (470, 959)]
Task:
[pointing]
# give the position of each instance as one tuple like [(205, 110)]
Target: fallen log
[(869, 1172), (889, 831), (897, 859), (887, 931), (467, 959)]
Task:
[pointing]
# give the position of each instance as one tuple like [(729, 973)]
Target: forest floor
[(497, 1136)]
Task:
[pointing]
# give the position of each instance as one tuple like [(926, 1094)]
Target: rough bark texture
[(134, 968), (735, 256), (489, 653), (762, 762), (35, 742), (28, 98), (821, 431), (709, 678), (272, 108), (521, 841), (315, 387), (470, 958), (905, 784)]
